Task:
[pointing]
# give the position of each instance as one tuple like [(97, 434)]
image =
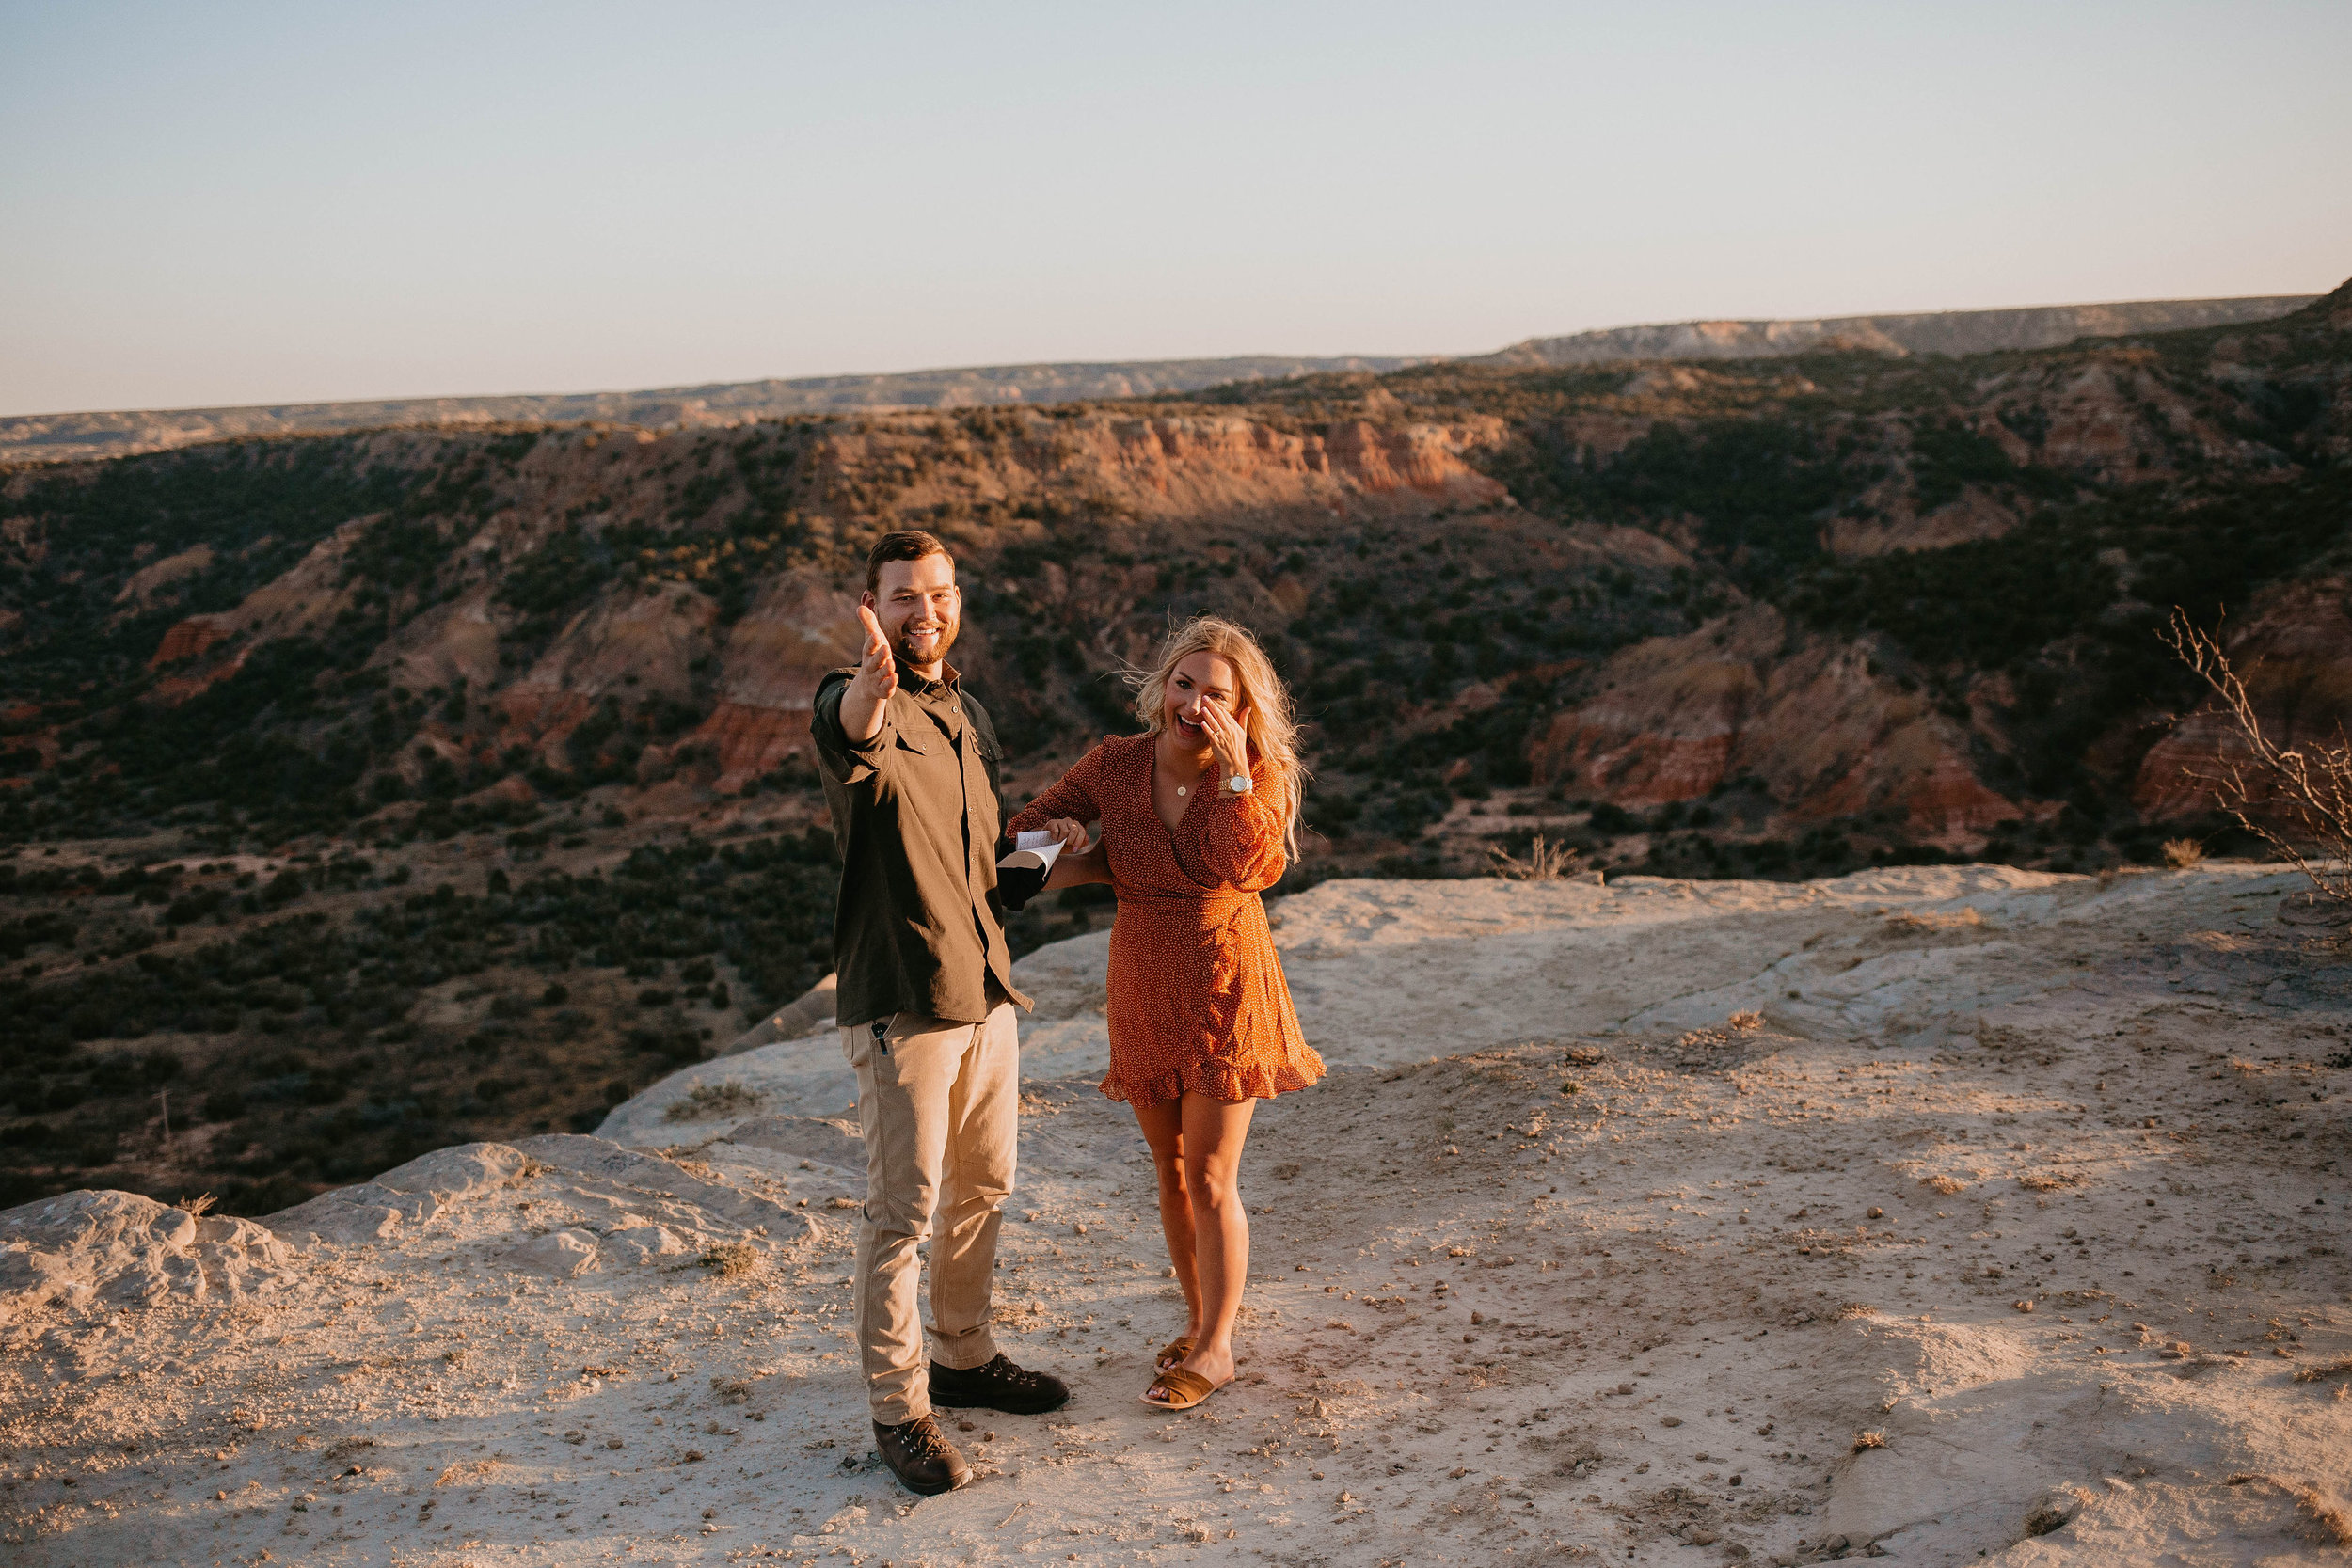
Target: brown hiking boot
[(998, 1385), (924, 1460)]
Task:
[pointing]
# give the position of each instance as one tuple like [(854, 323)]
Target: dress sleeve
[(1239, 846), (1077, 796)]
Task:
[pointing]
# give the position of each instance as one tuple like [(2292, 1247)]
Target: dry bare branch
[(2299, 801), (1545, 863)]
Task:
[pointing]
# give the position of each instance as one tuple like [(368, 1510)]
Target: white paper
[(1037, 850)]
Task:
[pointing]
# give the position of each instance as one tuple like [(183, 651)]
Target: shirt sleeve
[(843, 760), (1240, 846), (1077, 796)]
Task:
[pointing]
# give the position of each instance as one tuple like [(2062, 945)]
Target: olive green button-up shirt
[(918, 813)]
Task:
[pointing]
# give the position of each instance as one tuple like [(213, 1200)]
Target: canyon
[(364, 792)]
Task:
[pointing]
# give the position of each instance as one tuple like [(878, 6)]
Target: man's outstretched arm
[(870, 691)]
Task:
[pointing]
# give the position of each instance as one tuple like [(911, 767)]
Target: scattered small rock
[(2054, 1511)]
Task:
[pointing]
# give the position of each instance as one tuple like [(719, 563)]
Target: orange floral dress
[(1197, 1002)]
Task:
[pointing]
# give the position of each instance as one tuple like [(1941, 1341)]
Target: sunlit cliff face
[(920, 608)]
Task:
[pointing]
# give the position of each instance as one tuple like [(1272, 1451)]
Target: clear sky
[(225, 204)]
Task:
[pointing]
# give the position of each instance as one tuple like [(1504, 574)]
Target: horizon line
[(1404, 360)]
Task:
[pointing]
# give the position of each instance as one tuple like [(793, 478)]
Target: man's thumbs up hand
[(878, 669)]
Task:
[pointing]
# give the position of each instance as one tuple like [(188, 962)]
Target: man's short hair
[(907, 544)]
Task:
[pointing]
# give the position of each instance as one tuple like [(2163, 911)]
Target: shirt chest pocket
[(919, 745)]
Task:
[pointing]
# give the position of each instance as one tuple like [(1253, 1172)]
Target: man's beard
[(904, 648)]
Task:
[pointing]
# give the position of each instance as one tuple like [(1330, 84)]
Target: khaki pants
[(939, 1103)]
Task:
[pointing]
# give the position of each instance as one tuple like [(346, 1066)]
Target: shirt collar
[(948, 686)]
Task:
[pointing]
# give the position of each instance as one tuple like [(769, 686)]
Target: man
[(910, 765)]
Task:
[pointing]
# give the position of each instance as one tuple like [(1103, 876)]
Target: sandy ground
[(2008, 1227)]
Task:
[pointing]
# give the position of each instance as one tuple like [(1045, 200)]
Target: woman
[(1197, 813)]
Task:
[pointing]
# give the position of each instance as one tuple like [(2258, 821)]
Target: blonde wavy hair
[(1272, 724)]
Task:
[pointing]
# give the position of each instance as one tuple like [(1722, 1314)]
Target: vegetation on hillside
[(293, 1038), (326, 911)]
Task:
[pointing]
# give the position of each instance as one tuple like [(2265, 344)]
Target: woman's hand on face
[(1230, 739), (1072, 834)]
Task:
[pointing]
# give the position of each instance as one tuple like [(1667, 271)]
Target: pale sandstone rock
[(564, 1254), (239, 1255), (812, 1011), (118, 1249), (1721, 1225), (642, 1244), (467, 1170), (601, 1161), (352, 1216), (404, 1196), (834, 1143)]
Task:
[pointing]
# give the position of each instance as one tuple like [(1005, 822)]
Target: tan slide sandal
[(1183, 1389), (1173, 1353)]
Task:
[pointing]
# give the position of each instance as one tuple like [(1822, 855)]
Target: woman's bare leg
[(1211, 1143), (1163, 1129)]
